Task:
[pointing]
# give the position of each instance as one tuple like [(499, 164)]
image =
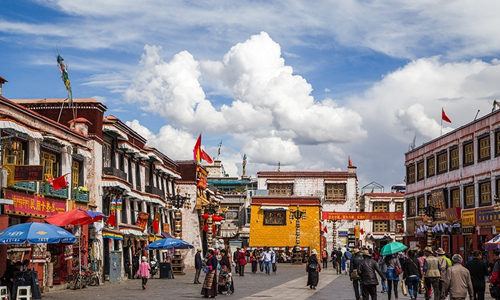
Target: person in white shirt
[(266, 257)]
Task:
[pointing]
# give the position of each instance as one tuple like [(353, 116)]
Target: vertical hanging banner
[(142, 220), (113, 204), (119, 204)]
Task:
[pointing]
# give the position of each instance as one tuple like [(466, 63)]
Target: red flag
[(206, 157), (197, 149), (112, 219), (350, 162), (361, 231), (59, 182), (156, 225), (324, 229), (444, 116)]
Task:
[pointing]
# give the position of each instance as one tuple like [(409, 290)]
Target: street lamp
[(297, 215), (178, 201)]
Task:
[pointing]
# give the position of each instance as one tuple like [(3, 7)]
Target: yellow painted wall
[(284, 236)]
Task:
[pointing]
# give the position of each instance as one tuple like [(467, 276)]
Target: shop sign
[(328, 215), (438, 199), (351, 241), (453, 214), (468, 218), (142, 220), (202, 176), (343, 233), (445, 243), (486, 216), (410, 226), (468, 230), (29, 205)]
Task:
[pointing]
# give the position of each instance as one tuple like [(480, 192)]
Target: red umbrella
[(75, 217)]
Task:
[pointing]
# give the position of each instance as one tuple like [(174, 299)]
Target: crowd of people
[(431, 274)]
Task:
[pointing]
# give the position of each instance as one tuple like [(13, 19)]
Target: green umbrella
[(392, 248)]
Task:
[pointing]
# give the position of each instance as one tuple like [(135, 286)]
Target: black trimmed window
[(485, 190), (410, 173), (454, 161), (431, 166), (455, 198), (497, 143), (380, 206), (421, 203), (279, 189), (420, 170), (412, 207), (429, 200), (380, 226), (398, 206), (469, 196), (335, 191), (483, 143), (468, 153), (442, 162)]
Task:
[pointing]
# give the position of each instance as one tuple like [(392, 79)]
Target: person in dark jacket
[(235, 259), (353, 272), (313, 268), (478, 270), (412, 274), (368, 270), (198, 265), (225, 268)]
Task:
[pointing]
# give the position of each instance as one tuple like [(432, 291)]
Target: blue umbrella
[(169, 243), (35, 233)]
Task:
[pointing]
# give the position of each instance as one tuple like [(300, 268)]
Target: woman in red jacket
[(242, 261)]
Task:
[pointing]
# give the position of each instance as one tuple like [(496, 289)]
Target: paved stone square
[(288, 283)]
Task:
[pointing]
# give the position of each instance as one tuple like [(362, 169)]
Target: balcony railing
[(48, 190), (81, 196), (30, 186), (115, 172), (155, 191)]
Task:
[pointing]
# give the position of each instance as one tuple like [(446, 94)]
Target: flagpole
[(441, 125)]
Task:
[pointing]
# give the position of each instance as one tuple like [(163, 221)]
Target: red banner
[(329, 215), (29, 205)]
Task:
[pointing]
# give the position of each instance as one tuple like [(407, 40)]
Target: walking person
[(443, 262), (347, 257), (457, 281), (495, 274), (353, 272), (412, 275), (432, 274), (225, 268), (313, 268), (383, 269), (235, 260), (210, 283), (266, 258), (261, 260), (367, 270), (324, 258), (242, 261), (143, 272), (254, 260), (478, 270), (274, 262), (198, 264), (170, 270), (392, 262)]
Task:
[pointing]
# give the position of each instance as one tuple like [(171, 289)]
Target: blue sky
[(282, 81)]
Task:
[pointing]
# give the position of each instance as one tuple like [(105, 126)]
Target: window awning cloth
[(274, 208), (127, 148), (386, 236), (115, 130), (280, 181), (110, 235), (115, 184), (20, 128), (132, 232)]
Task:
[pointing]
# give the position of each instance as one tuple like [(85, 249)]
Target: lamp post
[(210, 208), (297, 215), (334, 233), (178, 201)]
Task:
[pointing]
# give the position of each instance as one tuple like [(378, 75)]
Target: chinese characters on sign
[(327, 215), (32, 205)]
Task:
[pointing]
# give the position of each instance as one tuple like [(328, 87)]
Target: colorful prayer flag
[(119, 204)]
